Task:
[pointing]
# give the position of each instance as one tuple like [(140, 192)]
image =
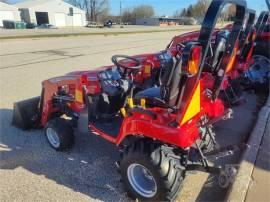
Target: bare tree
[(127, 15), (197, 10), (180, 13), (95, 9), (5, 1), (189, 12), (200, 8), (143, 11), (230, 12)]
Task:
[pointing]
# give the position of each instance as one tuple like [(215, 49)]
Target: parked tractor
[(157, 135), (249, 66)]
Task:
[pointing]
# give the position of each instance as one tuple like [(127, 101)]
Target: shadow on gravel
[(88, 168), (233, 131)]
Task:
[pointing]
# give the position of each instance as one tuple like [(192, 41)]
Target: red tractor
[(242, 60), (263, 35), (157, 135)]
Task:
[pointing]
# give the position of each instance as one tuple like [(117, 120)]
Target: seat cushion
[(149, 93)]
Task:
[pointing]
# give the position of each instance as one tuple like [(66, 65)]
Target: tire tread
[(161, 159)]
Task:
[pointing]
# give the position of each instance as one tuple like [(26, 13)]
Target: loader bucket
[(26, 114)]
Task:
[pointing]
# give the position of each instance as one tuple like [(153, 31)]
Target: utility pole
[(120, 12)]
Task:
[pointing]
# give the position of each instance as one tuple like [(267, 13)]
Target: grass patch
[(89, 34)]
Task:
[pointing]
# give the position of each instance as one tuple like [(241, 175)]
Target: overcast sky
[(168, 7)]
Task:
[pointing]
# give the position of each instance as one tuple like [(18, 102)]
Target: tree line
[(199, 9), (98, 10)]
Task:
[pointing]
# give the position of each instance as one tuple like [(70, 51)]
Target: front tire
[(59, 134), (151, 171)]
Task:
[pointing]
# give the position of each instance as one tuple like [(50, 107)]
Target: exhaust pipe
[(26, 114)]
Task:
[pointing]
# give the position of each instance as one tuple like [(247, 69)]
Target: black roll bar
[(207, 30), (249, 29), (251, 20), (268, 4), (261, 22)]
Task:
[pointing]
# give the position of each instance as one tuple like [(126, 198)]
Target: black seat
[(150, 92), (218, 50), (220, 45), (168, 92)]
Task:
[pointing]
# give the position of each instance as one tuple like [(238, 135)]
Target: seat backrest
[(170, 82), (177, 86), (220, 47), (179, 79)]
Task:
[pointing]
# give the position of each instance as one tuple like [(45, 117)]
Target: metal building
[(55, 12), (8, 12)]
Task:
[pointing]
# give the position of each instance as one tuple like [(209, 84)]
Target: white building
[(55, 12), (8, 12)]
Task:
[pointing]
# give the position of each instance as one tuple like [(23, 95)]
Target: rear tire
[(151, 171), (59, 134), (207, 144)]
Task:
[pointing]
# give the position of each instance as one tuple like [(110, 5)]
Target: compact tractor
[(258, 75), (244, 66), (158, 135)]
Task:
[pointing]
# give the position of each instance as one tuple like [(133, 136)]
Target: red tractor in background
[(157, 135), (239, 65), (258, 74), (243, 59), (263, 36)]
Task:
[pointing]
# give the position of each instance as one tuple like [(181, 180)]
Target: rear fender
[(139, 125)]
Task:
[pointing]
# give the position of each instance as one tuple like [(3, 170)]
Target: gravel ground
[(32, 171)]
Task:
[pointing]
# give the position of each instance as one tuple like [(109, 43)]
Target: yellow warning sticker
[(147, 69)]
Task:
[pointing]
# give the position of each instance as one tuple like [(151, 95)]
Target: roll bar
[(190, 85), (251, 14), (261, 22), (247, 39), (251, 19), (206, 32), (268, 4)]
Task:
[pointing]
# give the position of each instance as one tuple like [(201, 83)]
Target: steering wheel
[(180, 46), (119, 63)]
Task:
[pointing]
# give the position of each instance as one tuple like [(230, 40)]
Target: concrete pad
[(259, 186), (243, 180)]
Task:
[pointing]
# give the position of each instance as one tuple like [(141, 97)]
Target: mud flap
[(26, 114)]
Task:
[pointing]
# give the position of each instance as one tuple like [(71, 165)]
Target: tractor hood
[(89, 73)]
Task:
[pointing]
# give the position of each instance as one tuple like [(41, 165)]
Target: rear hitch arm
[(227, 115), (207, 169)]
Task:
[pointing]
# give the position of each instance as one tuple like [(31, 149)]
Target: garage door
[(6, 15), (60, 19), (77, 20)]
